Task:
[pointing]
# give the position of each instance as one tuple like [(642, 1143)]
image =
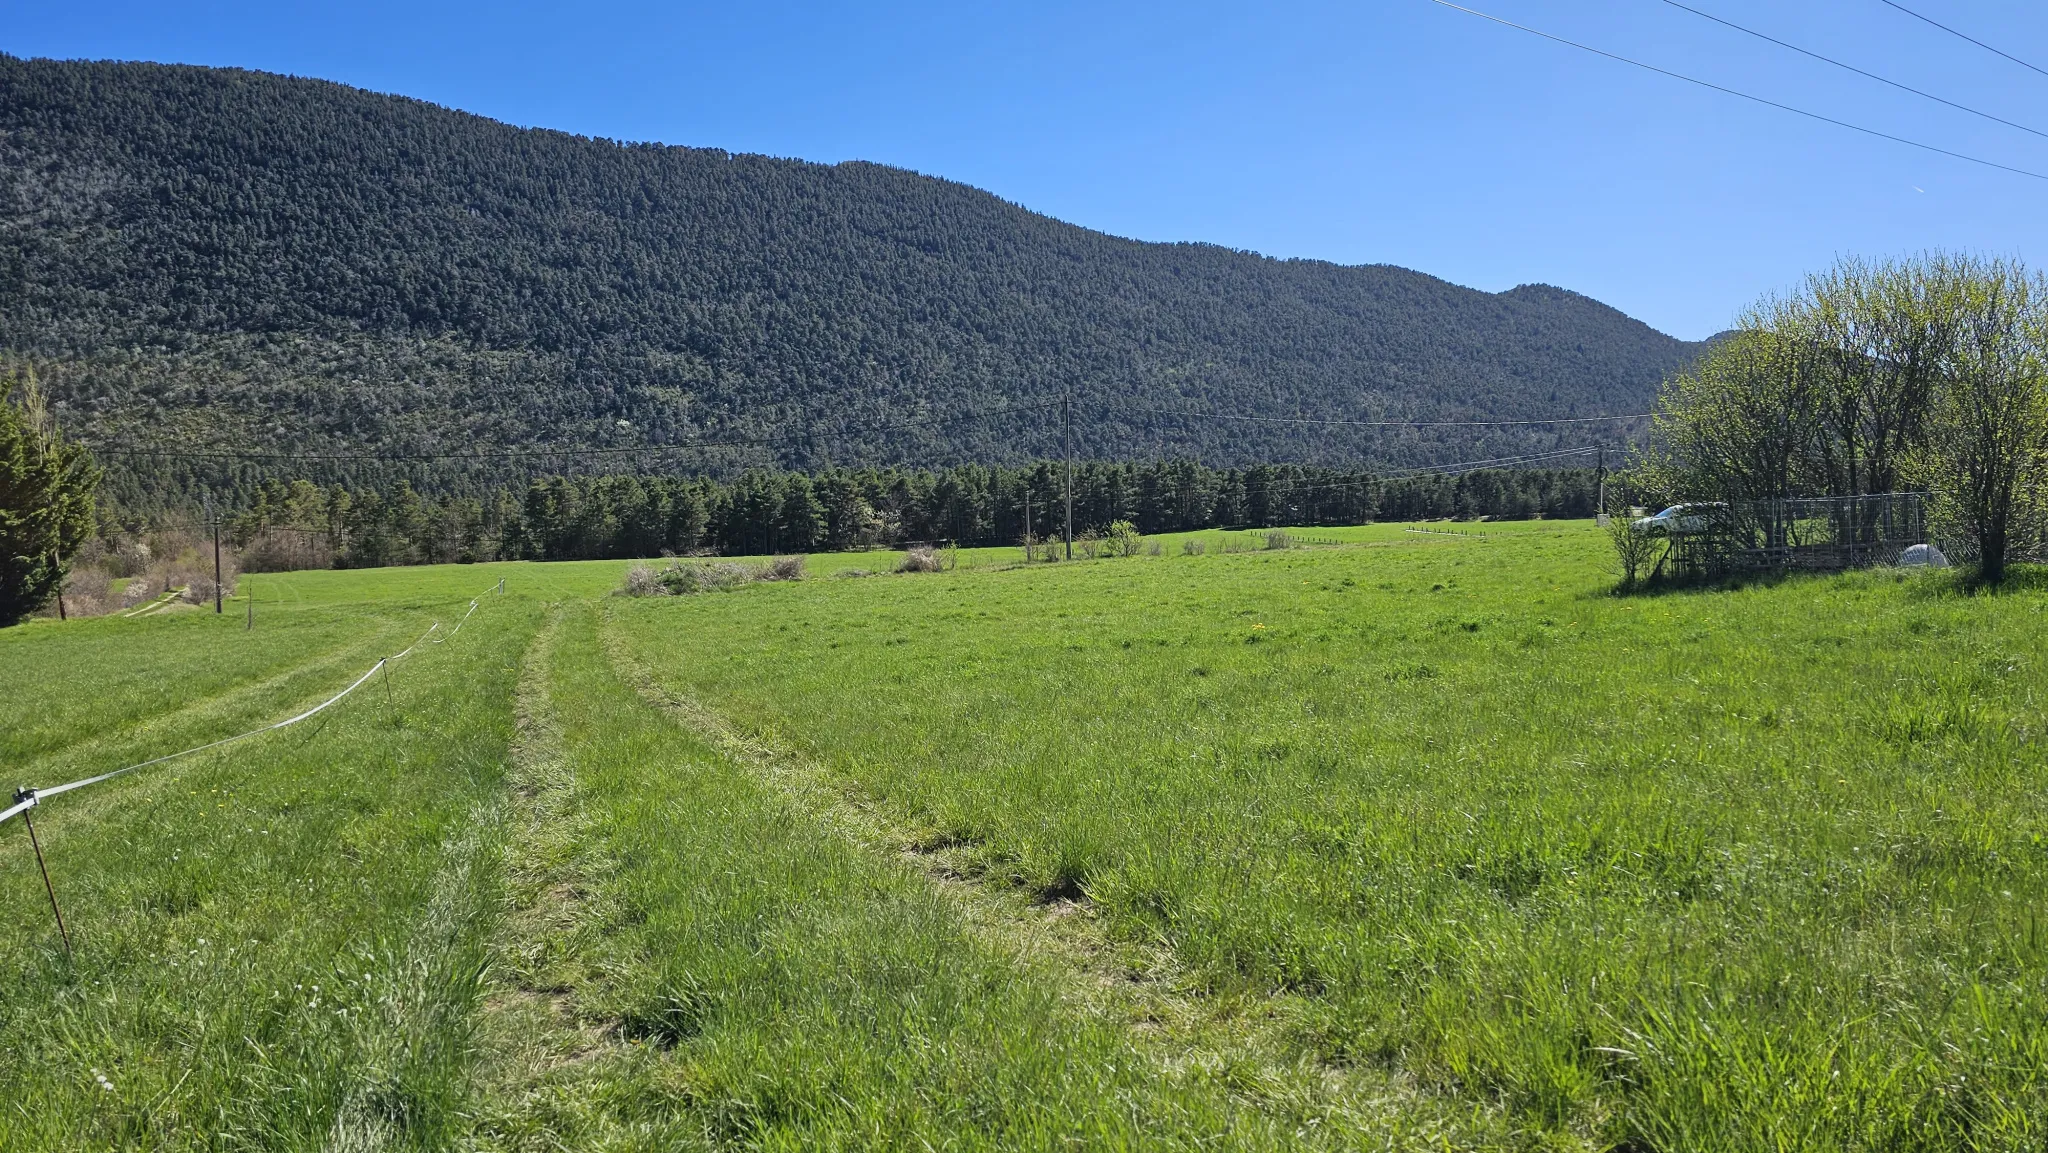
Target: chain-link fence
[(1821, 533)]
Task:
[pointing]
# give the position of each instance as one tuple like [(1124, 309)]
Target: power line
[(1856, 70), (1454, 468), (812, 434), (1959, 35), (1373, 423), (1495, 462), (530, 453), (1742, 95)]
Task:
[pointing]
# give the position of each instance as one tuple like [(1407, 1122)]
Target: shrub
[(1633, 547), (693, 578), (641, 581), (88, 593), (199, 588), (196, 577), (130, 557), (921, 559), (1090, 544), (1275, 539), (1192, 547), (1122, 539), (138, 590), (680, 579), (1153, 549)]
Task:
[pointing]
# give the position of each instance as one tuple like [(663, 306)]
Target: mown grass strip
[(774, 986), (1139, 984)]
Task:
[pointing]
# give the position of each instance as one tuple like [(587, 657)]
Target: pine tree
[(46, 499)]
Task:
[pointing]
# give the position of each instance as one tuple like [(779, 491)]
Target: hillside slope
[(219, 258)]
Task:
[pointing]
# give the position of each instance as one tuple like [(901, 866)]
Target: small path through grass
[(531, 1031), (699, 950), (1240, 1039)]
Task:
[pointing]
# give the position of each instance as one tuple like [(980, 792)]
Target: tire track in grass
[(426, 1024), (425, 1000), (830, 998), (530, 1023), (1242, 1041)]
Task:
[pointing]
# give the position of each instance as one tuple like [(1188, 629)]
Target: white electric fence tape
[(27, 799), (459, 624)]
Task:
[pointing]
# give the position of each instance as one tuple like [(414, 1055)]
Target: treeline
[(304, 525)]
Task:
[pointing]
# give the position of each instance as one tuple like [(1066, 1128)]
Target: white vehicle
[(1682, 519)]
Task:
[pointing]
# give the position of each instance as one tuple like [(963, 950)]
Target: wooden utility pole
[(1067, 438), (1600, 500), (214, 519), (55, 564), (1030, 546)]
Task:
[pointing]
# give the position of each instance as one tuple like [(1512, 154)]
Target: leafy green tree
[(1743, 423), (1987, 456), (47, 485)]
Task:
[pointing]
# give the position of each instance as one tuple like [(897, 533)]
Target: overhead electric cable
[(1962, 36), (1494, 462), (527, 453), (1743, 95), (1373, 423), (1856, 70), (739, 442)]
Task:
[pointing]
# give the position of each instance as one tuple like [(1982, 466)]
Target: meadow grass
[(1733, 869), (732, 973), (1419, 842), (275, 943), (61, 684)]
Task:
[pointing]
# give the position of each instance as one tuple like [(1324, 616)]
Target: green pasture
[(1393, 839)]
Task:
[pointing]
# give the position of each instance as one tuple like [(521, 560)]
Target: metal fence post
[(27, 818)]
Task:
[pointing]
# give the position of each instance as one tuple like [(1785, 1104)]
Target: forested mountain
[(234, 261)]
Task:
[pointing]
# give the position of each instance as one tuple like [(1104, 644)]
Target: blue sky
[(1391, 131)]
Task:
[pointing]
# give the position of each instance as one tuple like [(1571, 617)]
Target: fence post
[(29, 795)]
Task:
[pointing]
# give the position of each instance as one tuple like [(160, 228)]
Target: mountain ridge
[(209, 257)]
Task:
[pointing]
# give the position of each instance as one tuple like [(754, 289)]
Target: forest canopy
[(218, 260)]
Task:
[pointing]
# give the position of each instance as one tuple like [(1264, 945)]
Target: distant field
[(1404, 841)]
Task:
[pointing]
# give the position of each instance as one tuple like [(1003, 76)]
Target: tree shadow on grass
[(1964, 582), (1921, 583), (1664, 585)]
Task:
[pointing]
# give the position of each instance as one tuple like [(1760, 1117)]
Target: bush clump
[(922, 558), (683, 578), (1123, 539)]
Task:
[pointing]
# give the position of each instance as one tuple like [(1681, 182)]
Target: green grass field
[(1404, 841)]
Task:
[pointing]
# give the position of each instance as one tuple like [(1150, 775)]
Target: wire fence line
[(26, 798)]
